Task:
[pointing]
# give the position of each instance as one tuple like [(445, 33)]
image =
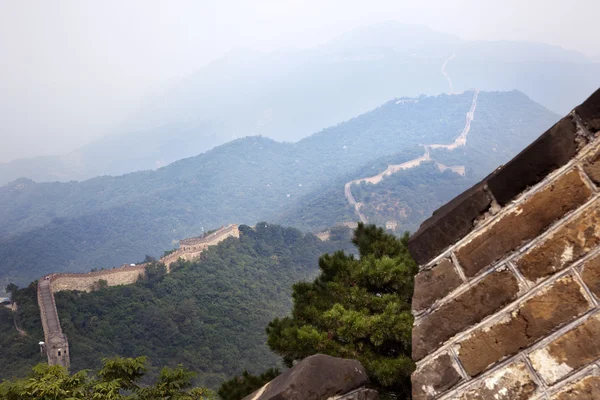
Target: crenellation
[(55, 341), (537, 219)]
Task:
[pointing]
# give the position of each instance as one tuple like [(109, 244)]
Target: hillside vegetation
[(108, 221), (209, 315), (498, 132)]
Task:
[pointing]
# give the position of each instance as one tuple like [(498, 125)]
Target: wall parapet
[(55, 341), (506, 302)]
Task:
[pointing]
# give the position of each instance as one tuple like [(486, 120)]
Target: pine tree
[(356, 308)]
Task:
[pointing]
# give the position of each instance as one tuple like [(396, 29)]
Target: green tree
[(356, 308), (241, 386), (117, 380)]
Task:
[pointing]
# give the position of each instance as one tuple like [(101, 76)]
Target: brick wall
[(125, 275), (506, 302), (87, 282)]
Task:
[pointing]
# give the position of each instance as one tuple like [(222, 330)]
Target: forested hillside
[(209, 315), (498, 132), (109, 221)]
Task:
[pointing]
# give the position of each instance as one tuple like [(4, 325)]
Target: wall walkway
[(56, 344)]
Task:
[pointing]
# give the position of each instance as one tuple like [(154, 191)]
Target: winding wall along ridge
[(55, 342), (461, 140)]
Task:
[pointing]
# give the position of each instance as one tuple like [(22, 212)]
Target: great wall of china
[(55, 343), (461, 140)]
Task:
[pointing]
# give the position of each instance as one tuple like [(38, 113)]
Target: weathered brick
[(524, 223), (591, 166), (510, 383), (589, 111), (573, 350), (486, 297), (434, 378), (566, 245), (591, 274), (434, 284), (550, 151), (587, 388), (448, 224), (533, 320)]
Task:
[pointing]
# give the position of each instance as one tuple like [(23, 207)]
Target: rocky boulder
[(317, 377)]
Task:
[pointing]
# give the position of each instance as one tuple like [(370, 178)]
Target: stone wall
[(129, 274), (199, 243), (190, 249), (56, 344), (506, 302), (87, 282)]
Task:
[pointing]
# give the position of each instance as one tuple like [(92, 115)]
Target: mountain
[(209, 315), (287, 94), (404, 199), (108, 221)]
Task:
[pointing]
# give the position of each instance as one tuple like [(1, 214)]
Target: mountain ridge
[(76, 226), (292, 93)]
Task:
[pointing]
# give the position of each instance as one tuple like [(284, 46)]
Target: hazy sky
[(71, 70)]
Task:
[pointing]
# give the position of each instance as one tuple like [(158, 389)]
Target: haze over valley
[(289, 94), (228, 190)]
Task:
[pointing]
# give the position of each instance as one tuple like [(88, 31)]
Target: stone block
[(589, 111), (483, 299), (314, 378), (537, 317), (449, 224), (358, 394), (573, 350), (591, 274), (587, 388), (524, 223), (435, 283), (512, 382), (549, 152), (434, 378), (567, 244), (591, 166)]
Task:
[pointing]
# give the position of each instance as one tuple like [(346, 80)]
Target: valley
[(105, 221)]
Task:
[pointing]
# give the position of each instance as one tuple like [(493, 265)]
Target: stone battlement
[(209, 239), (507, 300), (87, 282), (56, 344)]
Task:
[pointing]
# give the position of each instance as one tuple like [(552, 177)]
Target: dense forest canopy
[(208, 315), (108, 221)]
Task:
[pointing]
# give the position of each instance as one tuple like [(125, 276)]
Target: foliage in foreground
[(356, 308), (241, 386), (209, 315), (118, 379)]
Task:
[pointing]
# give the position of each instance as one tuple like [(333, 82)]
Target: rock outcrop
[(318, 377)]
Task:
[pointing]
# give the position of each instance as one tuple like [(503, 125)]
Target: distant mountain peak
[(393, 35)]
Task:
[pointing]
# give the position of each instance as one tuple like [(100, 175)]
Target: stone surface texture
[(358, 394), (435, 378), (507, 303), (481, 300), (585, 389), (436, 283), (316, 377)]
